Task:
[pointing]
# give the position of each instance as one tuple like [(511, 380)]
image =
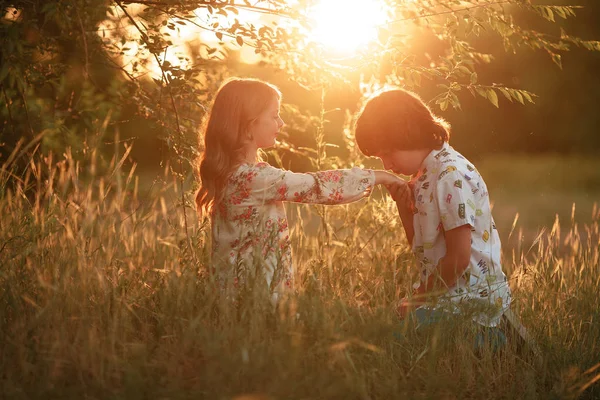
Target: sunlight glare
[(190, 38), (344, 26)]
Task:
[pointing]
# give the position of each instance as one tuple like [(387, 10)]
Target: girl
[(244, 197)]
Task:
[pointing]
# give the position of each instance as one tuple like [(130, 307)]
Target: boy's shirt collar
[(429, 161)]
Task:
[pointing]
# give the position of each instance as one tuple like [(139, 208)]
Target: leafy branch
[(145, 38)]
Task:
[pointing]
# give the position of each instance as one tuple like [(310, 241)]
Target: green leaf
[(239, 40), (506, 94), (473, 78), (493, 97), (482, 92), (444, 104), (557, 59), (528, 97), (519, 97), (219, 35), (464, 70)]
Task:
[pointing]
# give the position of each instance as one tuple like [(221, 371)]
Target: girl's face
[(405, 162), (265, 128)]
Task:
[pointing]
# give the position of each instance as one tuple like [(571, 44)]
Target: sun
[(342, 26)]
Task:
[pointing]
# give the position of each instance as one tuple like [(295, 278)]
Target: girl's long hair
[(237, 104)]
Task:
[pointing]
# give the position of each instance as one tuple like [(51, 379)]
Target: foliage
[(67, 66)]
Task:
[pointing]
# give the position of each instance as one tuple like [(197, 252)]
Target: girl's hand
[(386, 178)]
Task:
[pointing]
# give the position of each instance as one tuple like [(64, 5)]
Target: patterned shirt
[(250, 227), (449, 192)]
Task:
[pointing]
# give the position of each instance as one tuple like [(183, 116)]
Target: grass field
[(538, 189), (103, 295)]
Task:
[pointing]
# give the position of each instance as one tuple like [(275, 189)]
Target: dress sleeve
[(324, 187), (455, 199)]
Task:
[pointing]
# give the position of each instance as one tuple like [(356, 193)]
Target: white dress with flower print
[(250, 227)]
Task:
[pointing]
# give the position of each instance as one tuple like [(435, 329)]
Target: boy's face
[(405, 162)]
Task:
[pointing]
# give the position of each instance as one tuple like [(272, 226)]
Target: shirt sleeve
[(324, 187), (455, 199)]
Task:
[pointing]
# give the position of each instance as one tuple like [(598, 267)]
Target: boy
[(445, 209)]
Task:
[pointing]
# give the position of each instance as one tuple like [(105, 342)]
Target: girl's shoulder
[(250, 171), (263, 165), (247, 166), (268, 171), (258, 166)]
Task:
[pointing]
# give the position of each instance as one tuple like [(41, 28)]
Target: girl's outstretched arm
[(323, 187)]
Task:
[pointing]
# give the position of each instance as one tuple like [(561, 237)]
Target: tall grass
[(102, 296)]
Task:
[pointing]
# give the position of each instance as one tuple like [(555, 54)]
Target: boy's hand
[(401, 192), (404, 307)]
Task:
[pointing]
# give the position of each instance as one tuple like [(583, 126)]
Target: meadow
[(103, 294)]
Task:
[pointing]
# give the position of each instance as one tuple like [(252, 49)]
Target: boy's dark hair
[(396, 119)]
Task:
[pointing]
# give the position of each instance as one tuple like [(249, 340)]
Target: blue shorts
[(490, 337)]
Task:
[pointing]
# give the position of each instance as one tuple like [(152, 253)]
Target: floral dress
[(250, 228)]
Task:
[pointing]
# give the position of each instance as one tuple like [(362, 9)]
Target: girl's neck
[(251, 155)]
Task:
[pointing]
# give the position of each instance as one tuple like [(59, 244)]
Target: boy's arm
[(457, 204), (449, 269), (452, 265), (403, 196), (406, 215)]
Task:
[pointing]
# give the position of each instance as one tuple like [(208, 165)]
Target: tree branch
[(85, 45), (180, 134), (10, 117), (214, 4), (452, 11)]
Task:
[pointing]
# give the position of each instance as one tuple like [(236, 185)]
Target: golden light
[(136, 60), (343, 26), (244, 17)]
